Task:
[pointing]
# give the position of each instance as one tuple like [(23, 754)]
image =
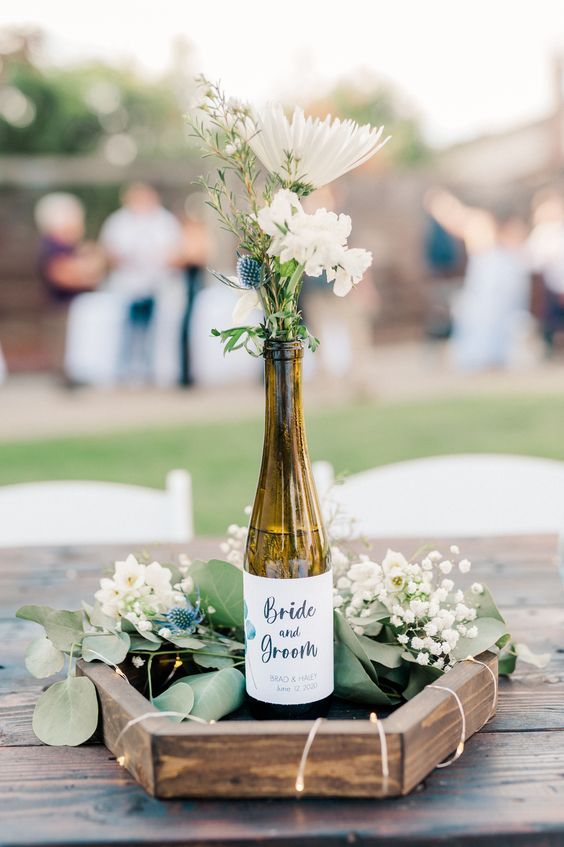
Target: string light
[(383, 751), (300, 782), (460, 748)]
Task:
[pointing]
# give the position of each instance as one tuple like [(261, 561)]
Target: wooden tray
[(246, 758)]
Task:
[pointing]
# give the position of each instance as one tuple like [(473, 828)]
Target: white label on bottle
[(289, 638)]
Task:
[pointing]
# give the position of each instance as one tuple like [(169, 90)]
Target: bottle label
[(289, 638)]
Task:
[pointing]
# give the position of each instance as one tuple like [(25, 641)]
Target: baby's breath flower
[(402, 638), (446, 566), (422, 659), (455, 549), (417, 643), (138, 662), (464, 566), (477, 588), (472, 632)]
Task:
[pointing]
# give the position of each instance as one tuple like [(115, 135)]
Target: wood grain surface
[(506, 789)]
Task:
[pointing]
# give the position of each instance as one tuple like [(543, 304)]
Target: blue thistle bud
[(248, 271), (184, 618)]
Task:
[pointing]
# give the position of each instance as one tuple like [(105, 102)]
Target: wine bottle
[(287, 579)]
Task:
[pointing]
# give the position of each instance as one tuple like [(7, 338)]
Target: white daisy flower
[(309, 150)]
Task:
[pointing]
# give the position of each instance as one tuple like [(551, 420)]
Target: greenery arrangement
[(177, 633), (268, 163)]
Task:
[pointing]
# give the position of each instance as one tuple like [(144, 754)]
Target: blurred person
[(193, 258), (546, 254), (492, 306), (444, 258), (68, 265), (142, 241)]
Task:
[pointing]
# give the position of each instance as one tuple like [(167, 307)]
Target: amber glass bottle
[(288, 585)]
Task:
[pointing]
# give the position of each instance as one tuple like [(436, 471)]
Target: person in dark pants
[(193, 259)]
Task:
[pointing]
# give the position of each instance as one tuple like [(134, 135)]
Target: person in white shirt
[(142, 241)]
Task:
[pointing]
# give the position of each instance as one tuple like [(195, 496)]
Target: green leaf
[(352, 681), (42, 659), (63, 628), (484, 604), (67, 713), (100, 620), (525, 654), (216, 661), (490, 630), (419, 677), (186, 641), (138, 643), (345, 635), (148, 635), (216, 694), (507, 660), (111, 648), (221, 586), (178, 698), (389, 655)]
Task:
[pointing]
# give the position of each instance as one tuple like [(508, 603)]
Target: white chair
[(96, 513), (451, 496)]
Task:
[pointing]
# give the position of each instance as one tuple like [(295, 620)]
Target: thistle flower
[(184, 619), (308, 151), (248, 271)]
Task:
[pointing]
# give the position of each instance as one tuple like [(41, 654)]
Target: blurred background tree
[(91, 108), (366, 99)]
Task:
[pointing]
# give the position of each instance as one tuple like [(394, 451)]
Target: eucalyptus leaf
[(389, 655), (111, 647), (507, 660), (178, 698), (490, 630), (525, 654), (345, 635), (217, 693), (216, 661), (43, 659), (138, 643), (148, 635), (484, 604), (67, 713), (352, 682), (220, 586), (186, 641), (101, 620), (419, 677), (62, 627)]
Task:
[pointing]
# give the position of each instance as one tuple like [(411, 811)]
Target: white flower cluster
[(418, 600), (318, 242), (139, 593)]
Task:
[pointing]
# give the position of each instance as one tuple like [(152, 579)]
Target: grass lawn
[(224, 457)]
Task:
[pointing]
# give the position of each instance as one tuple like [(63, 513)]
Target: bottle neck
[(284, 423)]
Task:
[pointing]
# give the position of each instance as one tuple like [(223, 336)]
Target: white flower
[(337, 601), (352, 265), (455, 549), (417, 643), (412, 587), (464, 566), (366, 571), (435, 556), (427, 564), (440, 663), (447, 584), (393, 561), (343, 582), (394, 581), (319, 151), (276, 217), (422, 659), (158, 578), (138, 662), (430, 628), (446, 566), (445, 647), (129, 575), (247, 302), (403, 639), (164, 632), (408, 616), (187, 585), (477, 588), (472, 632), (144, 626)]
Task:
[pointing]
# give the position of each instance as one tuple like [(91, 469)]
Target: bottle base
[(288, 712)]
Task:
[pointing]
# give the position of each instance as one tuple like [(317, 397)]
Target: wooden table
[(508, 787)]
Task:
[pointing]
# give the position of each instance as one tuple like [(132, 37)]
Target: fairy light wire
[(495, 684), (383, 751), (460, 748), (300, 776)]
